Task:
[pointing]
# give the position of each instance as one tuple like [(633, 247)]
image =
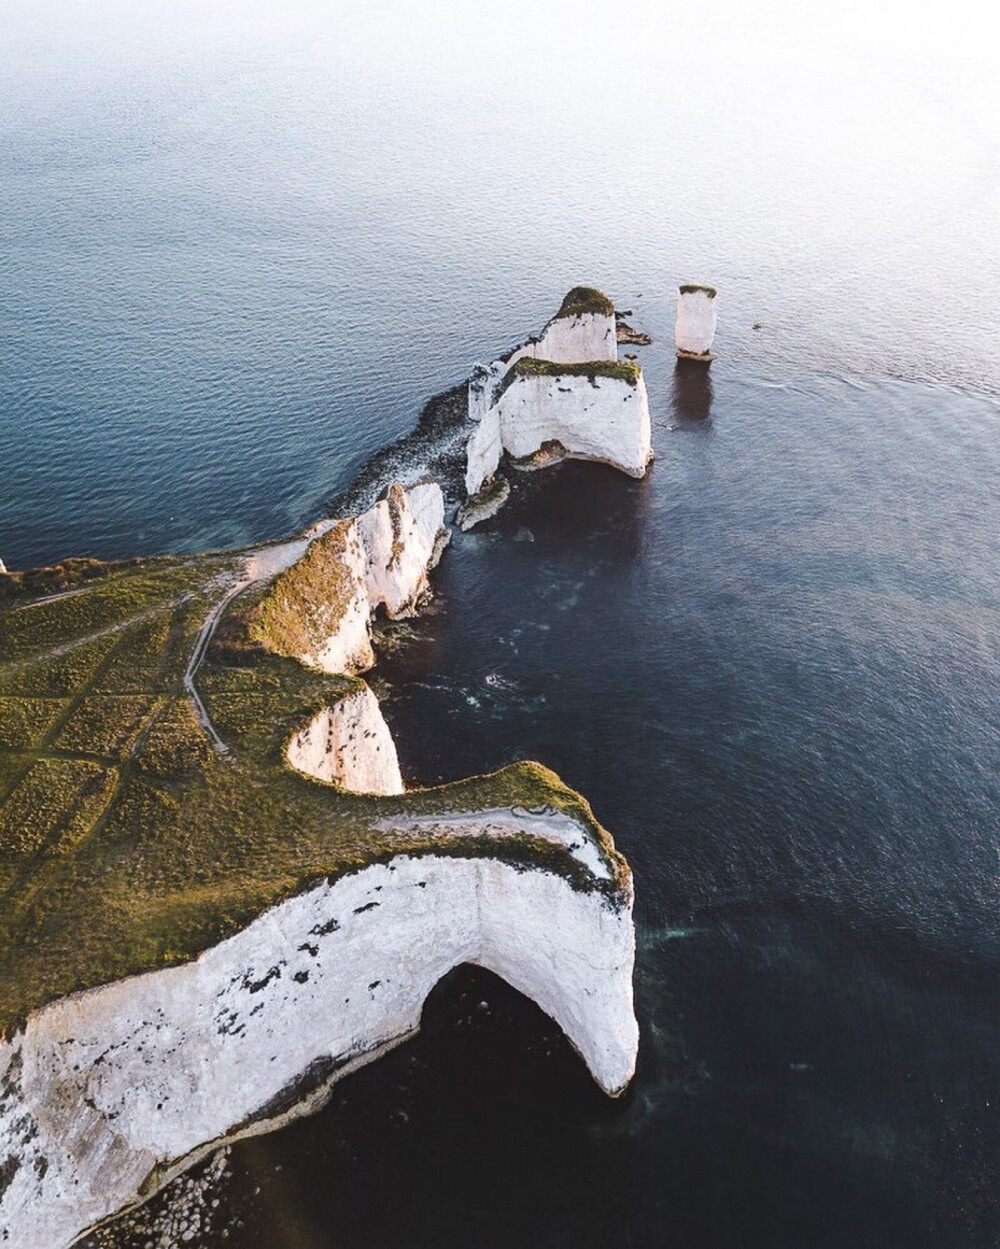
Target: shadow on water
[(486, 1129), (578, 507), (691, 394)]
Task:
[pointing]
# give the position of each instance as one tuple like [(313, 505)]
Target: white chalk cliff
[(697, 315), (318, 608), (570, 337), (596, 417), (107, 1094), (597, 413), (342, 614), (401, 535), (349, 745)]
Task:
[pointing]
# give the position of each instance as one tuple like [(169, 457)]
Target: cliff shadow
[(578, 506)]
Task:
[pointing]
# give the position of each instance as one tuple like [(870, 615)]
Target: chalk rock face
[(105, 1095), (568, 339), (598, 417), (317, 610), (400, 538), (484, 451), (349, 745), (3, 567), (595, 409), (484, 384), (696, 320), (427, 505), (584, 328)]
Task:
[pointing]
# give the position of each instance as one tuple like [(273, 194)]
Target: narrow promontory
[(217, 897)]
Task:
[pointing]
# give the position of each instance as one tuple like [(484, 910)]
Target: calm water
[(237, 251)]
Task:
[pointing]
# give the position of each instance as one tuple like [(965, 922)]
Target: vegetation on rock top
[(69, 574), (304, 605), (619, 370), (691, 288), (585, 300)]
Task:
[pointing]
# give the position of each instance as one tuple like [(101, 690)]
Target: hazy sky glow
[(866, 136)]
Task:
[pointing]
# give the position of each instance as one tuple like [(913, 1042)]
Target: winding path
[(261, 566)]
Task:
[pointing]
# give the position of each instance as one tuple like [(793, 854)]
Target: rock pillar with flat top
[(696, 320)]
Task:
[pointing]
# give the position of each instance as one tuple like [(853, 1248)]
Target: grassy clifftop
[(127, 842), (306, 603), (585, 300), (528, 366)]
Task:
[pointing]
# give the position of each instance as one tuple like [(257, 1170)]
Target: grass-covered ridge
[(127, 842), (583, 301), (618, 370), (305, 604), (692, 288)]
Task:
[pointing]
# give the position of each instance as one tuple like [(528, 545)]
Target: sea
[(242, 244)]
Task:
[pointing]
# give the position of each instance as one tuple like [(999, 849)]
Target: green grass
[(305, 604), (106, 724), (691, 288), (127, 843), (23, 721), (56, 578), (584, 300), (619, 370)]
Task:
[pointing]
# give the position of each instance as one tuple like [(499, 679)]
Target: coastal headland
[(218, 894)]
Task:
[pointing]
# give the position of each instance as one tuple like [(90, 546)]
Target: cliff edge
[(564, 395), (203, 924)]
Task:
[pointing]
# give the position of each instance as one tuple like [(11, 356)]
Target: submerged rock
[(629, 336), (696, 320), (486, 503)]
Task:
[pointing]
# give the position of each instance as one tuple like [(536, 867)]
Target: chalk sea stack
[(696, 321), (562, 395)]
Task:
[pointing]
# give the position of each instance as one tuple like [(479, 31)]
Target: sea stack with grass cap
[(696, 320), (562, 395)]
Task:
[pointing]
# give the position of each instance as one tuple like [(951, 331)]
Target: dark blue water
[(773, 667), (238, 250)]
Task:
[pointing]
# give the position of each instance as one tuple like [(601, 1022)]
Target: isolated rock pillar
[(696, 319)]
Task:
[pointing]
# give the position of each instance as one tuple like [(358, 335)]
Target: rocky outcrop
[(596, 412), (349, 745), (3, 568), (402, 536), (562, 395), (328, 584), (481, 506), (696, 321), (316, 610), (584, 328), (106, 1095)]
